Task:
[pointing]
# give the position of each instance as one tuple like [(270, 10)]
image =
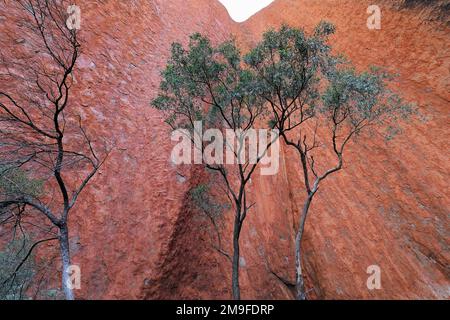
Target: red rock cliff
[(134, 233)]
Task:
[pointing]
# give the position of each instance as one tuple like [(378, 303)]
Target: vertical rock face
[(389, 207), (126, 221), (136, 233)]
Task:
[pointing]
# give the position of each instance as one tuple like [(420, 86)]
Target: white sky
[(241, 10)]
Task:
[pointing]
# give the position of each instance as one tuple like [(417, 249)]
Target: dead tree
[(40, 131)]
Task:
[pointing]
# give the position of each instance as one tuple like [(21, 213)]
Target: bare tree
[(208, 84), (40, 132)]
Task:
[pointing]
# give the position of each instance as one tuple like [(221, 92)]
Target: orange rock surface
[(134, 232)]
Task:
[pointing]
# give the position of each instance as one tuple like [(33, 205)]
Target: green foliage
[(324, 29), (207, 83), (203, 200), (13, 286), (15, 181), (289, 65), (289, 75), (288, 60), (363, 98), (300, 79)]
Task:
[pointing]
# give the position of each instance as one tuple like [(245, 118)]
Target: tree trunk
[(299, 281), (65, 255), (235, 265)]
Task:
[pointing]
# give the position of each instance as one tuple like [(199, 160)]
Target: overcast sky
[(241, 10)]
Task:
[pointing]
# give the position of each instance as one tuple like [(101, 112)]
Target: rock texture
[(132, 211), (135, 233), (390, 205)]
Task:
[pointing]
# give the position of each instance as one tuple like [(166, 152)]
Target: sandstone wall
[(134, 231)]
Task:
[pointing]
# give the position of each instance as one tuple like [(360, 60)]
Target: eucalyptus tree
[(208, 84), (318, 102)]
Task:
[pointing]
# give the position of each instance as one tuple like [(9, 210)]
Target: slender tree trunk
[(235, 265), (65, 255), (299, 280)]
